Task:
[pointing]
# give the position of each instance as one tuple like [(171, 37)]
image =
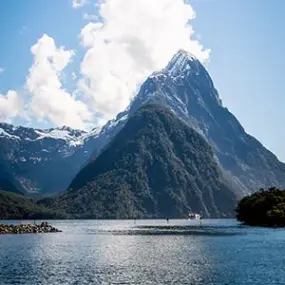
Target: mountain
[(7, 183), (188, 90), (42, 162), (13, 206), (156, 166)]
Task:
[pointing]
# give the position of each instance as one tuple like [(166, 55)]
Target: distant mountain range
[(45, 162), (42, 162)]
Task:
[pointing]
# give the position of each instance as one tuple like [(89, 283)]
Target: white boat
[(194, 216)]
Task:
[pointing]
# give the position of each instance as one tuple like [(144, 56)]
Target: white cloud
[(135, 38), (1, 70), (79, 3), (10, 106), (90, 17), (125, 43), (49, 101), (73, 76)]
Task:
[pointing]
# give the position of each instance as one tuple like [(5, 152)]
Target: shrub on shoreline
[(263, 208)]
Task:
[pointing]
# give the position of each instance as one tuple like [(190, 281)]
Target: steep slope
[(156, 166), (186, 87), (13, 206), (42, 162)]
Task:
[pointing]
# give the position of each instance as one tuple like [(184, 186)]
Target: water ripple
[(148, 252)]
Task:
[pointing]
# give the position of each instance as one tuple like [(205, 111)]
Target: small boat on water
[(194, 216)]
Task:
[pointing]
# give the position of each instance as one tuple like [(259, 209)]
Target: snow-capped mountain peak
[(71, 137), (186, 87), (43, 161), (3, 133), (61, 134), (181, 62)]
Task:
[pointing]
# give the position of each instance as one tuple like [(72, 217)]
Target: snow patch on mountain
[(180, 63), (71, 137), (94, 133), (3, 133), (55, 134), (115, 122)]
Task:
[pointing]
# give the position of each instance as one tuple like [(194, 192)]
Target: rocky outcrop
[(44, 227)]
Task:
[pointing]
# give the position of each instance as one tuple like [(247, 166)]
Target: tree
[(263, 208)]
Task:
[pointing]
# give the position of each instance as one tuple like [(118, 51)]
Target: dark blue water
[(150, 252)]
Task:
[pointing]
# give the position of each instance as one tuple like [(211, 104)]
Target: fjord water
[(145, 252)]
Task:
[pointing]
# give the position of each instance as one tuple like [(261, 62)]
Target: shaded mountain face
[(8, 183), (42, 162), (156, 166), (13, 206), (187, 89)]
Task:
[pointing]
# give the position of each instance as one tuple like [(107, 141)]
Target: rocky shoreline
[(44, 227)]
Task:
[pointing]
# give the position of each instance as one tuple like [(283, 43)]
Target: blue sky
[(247, 62), (246, 39), (22, 23)]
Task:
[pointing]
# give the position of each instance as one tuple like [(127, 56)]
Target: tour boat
[(194, 216)]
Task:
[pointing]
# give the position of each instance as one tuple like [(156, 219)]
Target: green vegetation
[(13, 206), (157, 166), (263, 208)]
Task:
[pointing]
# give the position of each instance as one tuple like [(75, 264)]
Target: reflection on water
[(145, 252)]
